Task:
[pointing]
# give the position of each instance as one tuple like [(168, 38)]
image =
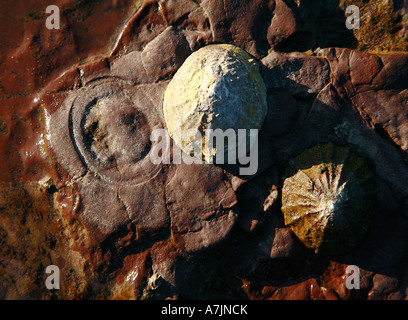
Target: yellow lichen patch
[(32, 236), (378, 30), (96, 135), (124, 291)]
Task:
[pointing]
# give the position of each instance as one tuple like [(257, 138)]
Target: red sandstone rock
[(183, 228)]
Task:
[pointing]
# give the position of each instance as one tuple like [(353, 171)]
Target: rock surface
[(78, 192)]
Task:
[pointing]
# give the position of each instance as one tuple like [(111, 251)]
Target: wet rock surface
[(78, 189)]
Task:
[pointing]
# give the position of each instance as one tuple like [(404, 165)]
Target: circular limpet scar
[(328, 198), (217, 87), (110, 123)]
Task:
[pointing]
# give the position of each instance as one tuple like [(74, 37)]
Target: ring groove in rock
[(110, 126)]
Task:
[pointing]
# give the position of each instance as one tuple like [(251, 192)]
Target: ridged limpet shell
[(217, 87), (328, 198)]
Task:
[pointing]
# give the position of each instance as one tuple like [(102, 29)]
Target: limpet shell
[(217, 87), (328, 198)]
